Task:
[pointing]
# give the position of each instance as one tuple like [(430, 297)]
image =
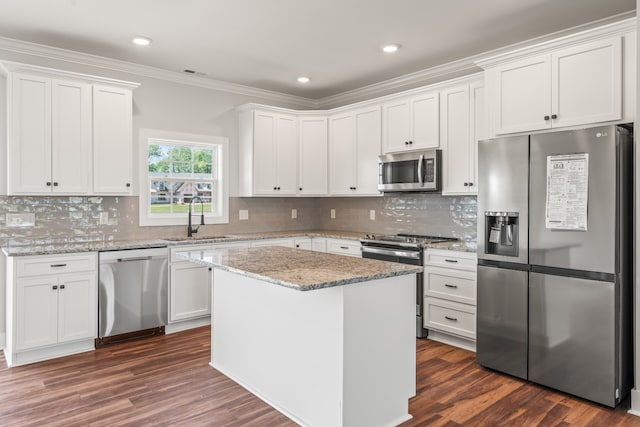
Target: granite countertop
[(298, 269), (51, 249)]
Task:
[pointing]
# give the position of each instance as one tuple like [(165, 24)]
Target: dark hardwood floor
[(166, 380)]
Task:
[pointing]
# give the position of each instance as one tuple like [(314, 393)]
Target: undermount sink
[(190, 239)]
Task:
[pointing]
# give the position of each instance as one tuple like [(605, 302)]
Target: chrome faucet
[(190, 230)]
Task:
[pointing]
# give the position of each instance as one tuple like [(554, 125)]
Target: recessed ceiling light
[(303, 79), (142, 41), (390, 48)]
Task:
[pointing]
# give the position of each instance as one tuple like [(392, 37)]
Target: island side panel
[(283, 345), (379, 351)]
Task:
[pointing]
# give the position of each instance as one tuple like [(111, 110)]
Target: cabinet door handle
[(55, 184), (55, 287), (453, 319), (554, 116), (451, 286), (210, 268), (451, 260), (406, 143), (48, 183), (546, 118), (466, 184), (58, 265), (410, 142), (128, 184), (471, 184), (297, 246), (61, 286), (300, 188)]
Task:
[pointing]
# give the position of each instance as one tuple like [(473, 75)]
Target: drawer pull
[(451, 260), (344, 247), (451, 286), (453, 319), (58, 265)]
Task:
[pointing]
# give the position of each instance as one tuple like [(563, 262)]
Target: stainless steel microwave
[(412, 171)]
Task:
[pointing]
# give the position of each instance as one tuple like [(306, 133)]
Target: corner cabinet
[(411, 123), (576, 85), (463, 124), (68, 133), (268, 153), (52, 306), (354, 147), (313, 162)]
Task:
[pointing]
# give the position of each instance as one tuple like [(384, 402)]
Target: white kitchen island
[(325, 339)]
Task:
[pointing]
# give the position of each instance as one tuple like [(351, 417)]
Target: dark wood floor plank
[(167, 380)]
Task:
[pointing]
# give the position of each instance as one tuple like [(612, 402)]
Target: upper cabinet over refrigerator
[(503, 203)]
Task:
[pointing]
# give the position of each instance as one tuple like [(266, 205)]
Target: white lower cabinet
[(190, 288), (450, 297), (52, 306), (344, 247)]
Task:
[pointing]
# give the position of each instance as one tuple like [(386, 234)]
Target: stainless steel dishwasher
[(132, 294)]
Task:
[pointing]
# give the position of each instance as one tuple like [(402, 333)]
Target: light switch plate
[(104, 218), (372, 215), (243, 214), (333, 214), (21, 219), (294, 213)]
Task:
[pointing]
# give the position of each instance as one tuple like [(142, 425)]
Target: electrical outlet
[(244, 214), (294, 213), (20, 219), (333, 214), (104, 218), (372, 215)]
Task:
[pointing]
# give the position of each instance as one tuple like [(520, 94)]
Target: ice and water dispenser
[(501, 233)]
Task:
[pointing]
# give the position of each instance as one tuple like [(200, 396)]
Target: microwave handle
[(420, 160)]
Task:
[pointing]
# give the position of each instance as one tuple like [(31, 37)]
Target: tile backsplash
[(64, 219)]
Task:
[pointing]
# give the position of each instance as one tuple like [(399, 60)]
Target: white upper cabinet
[(312, 166), (268, 157), (577, 85), (65, 129), (354, 147), (463, 124), (411, 123), (49, 136), (112, 140)]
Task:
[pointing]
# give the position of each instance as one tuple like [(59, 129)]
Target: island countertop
[(298, 269)]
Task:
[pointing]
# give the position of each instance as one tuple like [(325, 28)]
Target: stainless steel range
[(405, 249)]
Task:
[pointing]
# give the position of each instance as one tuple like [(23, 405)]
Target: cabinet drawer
[(455, 285), (451, 259), (451, 317), (67, 263), (344, 247)]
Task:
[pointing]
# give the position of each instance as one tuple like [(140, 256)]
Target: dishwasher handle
[(140, 258)]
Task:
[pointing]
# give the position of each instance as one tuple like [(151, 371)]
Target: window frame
[(147, 136)]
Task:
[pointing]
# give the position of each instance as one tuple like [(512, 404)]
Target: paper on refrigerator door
[(567, 191)]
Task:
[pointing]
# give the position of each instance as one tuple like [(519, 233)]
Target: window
[(179, 170)]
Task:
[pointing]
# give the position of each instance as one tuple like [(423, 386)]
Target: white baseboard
[(172, 328), (453, 340), (635, 402)]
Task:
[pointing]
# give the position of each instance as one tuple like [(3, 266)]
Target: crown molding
[(616, 23), (622, 22), (80, 58)]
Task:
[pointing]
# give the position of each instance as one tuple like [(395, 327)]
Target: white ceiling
[(268, 43)]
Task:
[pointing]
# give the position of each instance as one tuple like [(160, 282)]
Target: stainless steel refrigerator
[(555, 260)]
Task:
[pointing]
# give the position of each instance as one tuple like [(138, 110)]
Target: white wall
[(635, 392), (160, 104)]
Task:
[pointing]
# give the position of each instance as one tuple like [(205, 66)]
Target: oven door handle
[(420, 160), (390, 252)]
